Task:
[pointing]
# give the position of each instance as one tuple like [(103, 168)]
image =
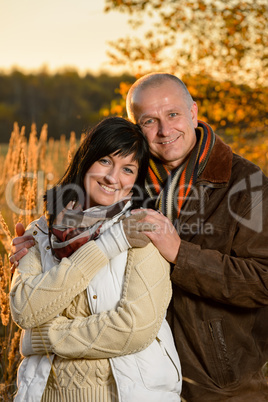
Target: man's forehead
[(147, 106), (167, 88)]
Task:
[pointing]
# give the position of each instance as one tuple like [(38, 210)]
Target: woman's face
[(110, 179)]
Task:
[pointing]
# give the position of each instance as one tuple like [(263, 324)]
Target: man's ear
[(194, 114)]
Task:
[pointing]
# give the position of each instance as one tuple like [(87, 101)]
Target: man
[(213, 228)]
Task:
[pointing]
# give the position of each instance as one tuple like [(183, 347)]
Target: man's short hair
[(154, 80)]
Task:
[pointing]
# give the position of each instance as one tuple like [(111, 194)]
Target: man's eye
[(173, 114), (148, 122)]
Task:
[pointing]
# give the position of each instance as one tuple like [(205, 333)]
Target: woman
[(92, 288)]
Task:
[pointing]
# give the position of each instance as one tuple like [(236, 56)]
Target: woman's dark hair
[(113, 135)]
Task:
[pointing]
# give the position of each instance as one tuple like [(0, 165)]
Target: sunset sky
[(58, 33)]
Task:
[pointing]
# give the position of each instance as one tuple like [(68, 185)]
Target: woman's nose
[(112, 176)]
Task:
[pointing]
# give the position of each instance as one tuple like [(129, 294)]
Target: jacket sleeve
[(239, 278), (37, 296), (128, 329)]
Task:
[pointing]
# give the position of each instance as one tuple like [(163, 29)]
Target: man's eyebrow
[(151, 116), (146, 116), (172, 110)]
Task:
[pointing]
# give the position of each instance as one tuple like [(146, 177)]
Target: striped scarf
[(74, 228), (166, 186)]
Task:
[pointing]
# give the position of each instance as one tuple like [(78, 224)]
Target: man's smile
[(169, 142)]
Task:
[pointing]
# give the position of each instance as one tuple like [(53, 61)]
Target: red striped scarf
[(76, 227), (166, 186)]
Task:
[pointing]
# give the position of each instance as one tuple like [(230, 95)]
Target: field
[(28, 168)]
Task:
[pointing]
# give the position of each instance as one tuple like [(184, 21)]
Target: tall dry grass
[(28, 169)]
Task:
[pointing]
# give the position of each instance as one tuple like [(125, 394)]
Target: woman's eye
[(128, 170), (104, 161)]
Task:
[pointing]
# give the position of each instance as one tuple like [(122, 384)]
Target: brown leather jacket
[(219, 309)]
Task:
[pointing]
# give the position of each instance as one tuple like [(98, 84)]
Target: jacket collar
[(41, 224), (219, 166)]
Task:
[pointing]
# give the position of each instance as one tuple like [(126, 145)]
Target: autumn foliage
[(218, 48), (226, 40)]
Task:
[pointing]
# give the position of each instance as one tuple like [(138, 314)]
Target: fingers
[(145, 227), (14, 258), (19, 248), (136, 214), (152, 216), (70, 205), (20, 230), (142, 211), (137, 223), (131, 225), (160, 224), (164, 236), (13, 267), (18, 241), (147, 212), (134, 230)]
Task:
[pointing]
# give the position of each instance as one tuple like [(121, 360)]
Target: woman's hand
[(20, 246)]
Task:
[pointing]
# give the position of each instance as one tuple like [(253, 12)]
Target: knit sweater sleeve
[(37, 296), (128, 329)]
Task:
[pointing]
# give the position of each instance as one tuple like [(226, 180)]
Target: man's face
[(167, 122)]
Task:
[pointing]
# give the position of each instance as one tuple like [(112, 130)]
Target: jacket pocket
[(157, 368), (222, 372)]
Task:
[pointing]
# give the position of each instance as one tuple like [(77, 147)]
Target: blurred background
[(65, 64), (62, 61)]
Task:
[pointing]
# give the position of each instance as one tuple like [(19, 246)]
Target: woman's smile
[(108, 189)]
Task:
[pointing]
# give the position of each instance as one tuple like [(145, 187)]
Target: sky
[(57, 34)]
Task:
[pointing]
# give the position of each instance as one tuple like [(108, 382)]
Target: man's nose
[(164, 128)]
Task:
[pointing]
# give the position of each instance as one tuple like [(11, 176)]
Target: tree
[(227, 40), (65, 101)]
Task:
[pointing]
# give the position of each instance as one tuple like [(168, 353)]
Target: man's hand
[(127, 233), (164, 236), (19, 246)]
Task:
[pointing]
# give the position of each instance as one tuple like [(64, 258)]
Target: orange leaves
[(217, 38), (255, 150), (118, 106), (234, 111), (123, 89)]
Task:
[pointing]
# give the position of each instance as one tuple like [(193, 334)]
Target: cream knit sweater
[(78, 339)]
